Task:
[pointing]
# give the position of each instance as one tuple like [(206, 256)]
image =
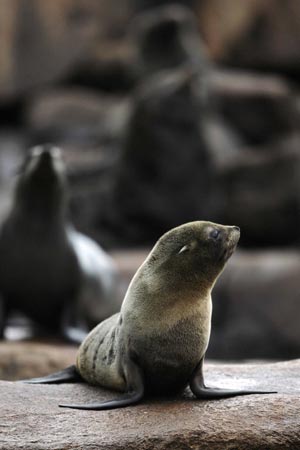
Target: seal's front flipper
[(202, 392), (135, 385), (69, 374)]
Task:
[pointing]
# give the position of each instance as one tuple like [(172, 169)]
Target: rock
[(20, 360), (41, 41), (260, 107), (77, 117), (261, 194), (109, 66), (224, 23), (256, 306), (108, 63), (272, 41), (260, 34), (32, 420), (141, 5)]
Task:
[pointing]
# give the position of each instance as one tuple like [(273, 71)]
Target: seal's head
[(194, 253), (41, 184)]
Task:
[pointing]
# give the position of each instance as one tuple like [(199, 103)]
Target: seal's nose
[(46, 160), (45, 155), (46, 152), (236, 228)]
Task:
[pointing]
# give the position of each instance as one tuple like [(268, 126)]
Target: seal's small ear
[(184, 249), (190, 246)]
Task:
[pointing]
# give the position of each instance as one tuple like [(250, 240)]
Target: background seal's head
[(42, 181)]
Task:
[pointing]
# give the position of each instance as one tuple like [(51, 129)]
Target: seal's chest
[(169, 358)]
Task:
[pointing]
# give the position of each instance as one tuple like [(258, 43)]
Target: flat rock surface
[(31, 418)]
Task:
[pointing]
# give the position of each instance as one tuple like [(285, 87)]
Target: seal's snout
[(46, 153), (234, 233), (231, 241), (45, 159)]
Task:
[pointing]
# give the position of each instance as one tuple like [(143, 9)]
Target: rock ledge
[(31, 419)]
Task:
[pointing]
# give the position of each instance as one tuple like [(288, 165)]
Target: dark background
[(165, 116)]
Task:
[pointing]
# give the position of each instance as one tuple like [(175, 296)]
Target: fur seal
[(157, 343), (53, 274)]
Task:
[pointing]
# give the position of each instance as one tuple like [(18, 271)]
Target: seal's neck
[(44, 203), (154, 305)]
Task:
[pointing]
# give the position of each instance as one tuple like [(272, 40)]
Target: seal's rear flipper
[(69, 374), (135, 386), (128, 399), (202, 392)]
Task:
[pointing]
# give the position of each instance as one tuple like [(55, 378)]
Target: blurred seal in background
[(167, 38), (59, 278)]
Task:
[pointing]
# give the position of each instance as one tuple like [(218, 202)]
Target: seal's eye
[(214, 234)]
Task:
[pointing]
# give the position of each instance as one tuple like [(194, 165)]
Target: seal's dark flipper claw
[(128, 399), (69, 374)]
